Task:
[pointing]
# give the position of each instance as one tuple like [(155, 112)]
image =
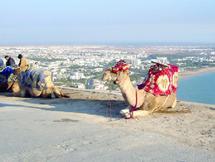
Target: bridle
[(132, 107), (116, 81)]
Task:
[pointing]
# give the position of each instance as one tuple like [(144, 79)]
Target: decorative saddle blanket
[(5, 74), (33, 78), (161, 80)]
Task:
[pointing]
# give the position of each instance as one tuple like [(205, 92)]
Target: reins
[(133, 108)]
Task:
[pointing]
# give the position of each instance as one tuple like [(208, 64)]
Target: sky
[(106, 21)]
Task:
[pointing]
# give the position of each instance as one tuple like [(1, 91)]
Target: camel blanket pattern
[(33, 78), (161, 80), (5, 74)]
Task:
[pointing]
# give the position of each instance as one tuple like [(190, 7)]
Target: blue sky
[(106, 21)]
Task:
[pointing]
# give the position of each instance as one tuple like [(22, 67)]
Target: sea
[(197, 88)]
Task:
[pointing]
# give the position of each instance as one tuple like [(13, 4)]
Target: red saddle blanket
[(161, 80)]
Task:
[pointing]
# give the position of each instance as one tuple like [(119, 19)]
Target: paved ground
[(89, 130)]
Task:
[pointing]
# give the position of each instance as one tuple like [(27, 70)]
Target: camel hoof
[(128, 116), (124, 111)]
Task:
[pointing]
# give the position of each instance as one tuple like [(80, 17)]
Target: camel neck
[(128, 91)]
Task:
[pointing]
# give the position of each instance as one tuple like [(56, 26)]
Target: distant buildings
[(82, 66)]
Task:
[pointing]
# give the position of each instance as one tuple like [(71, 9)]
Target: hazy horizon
[(135, 44), (51, 22)]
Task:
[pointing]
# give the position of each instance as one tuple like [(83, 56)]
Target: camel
[(35, 83), (142, 102), (6, 79)]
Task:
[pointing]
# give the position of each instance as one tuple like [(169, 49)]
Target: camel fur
[(46, 87), (147, 103)]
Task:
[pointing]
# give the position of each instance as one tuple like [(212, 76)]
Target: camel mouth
[(108, 75), (116, 81)]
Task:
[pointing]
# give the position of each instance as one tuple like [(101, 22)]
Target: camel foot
[(174, 103), (141, 113), (59, 93), (124, 111)]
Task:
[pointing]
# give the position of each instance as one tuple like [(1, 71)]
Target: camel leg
[(34, 92), (16, 89), (48, 93), (170, 101), (138, 113), (51, 92), (174, 103), (58, 93)]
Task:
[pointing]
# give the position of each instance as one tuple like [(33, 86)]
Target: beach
[(196, 72), (88, 127)]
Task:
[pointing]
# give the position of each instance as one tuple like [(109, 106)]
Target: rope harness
[(132, 108)]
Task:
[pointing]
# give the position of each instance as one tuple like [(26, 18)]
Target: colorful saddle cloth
[(120, 66), (5, 74), (161, 80), (33, 78)]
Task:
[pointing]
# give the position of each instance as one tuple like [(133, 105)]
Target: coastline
[(197, 72)]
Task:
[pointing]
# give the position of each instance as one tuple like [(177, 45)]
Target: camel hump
[(161, 80), (36, 78)]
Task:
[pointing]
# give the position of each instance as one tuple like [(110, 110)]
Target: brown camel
[(146, 102), (32, 86)]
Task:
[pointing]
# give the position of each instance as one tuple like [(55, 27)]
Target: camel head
[(118, 73), (121, 77), (108, 75)]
